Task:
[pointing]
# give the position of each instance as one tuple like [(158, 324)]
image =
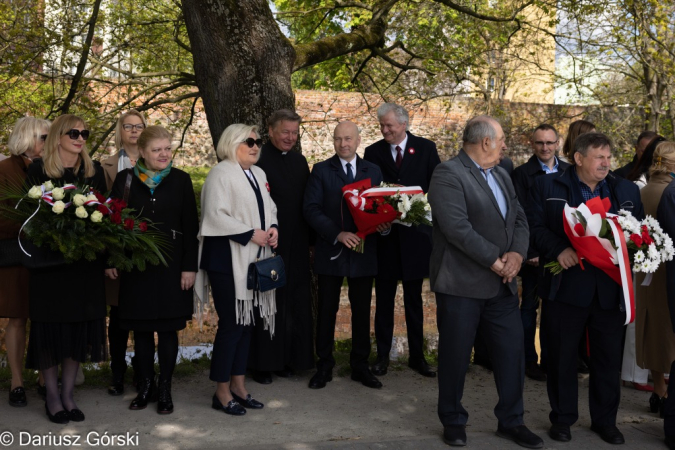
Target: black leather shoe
[(380, 367), (42, 390), (560, 432), (164, 401), (367, 379), (670, 442), (233, 408), (147, 392), (320, 378), (454, 435), (75, 415), (117, 387), (17, 397), (262, 377), (422, 367), (62, 417), (533, 371), (654, 403), (521, 436), (609, 433), (284, 373), (248, 402)]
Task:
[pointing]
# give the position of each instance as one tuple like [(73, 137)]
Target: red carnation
[(103, 210), (637, 240), (143, 226), (99, 197), (129, 224), (646, 238), (579, 228), (116, 218)]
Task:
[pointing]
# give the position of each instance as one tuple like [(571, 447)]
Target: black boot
[(117, 386), (165, 404), (147, 392)]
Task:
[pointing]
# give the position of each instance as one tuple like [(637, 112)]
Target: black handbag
[(10, 252), (266, 274)]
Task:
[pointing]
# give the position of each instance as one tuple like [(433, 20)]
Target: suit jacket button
[(398, 179)]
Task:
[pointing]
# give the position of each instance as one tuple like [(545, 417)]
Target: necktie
[(399, 157), (350, 174)]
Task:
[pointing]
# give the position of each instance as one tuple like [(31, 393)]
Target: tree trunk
[(242, 61)]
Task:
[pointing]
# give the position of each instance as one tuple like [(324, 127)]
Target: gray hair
[(234, 135), (26, 133), (479, 128), (281, 115), (399, 112), (587, 141)]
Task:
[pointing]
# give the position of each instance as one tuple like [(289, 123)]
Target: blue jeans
[(528, 314)]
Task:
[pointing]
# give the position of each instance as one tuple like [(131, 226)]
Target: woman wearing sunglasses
[(67, 302), (25, 144), (160, 298), (238, 218), (129, 127)]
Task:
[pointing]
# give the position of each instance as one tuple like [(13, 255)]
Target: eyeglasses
[(251, 142), (75, 134), (545, 143), (129, 127), (43, 137)]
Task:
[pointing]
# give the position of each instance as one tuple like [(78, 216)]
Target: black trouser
[(232, 341), (458, 320), (669, 421), (385, 291), (360, 293), (167, 351), (566, 324), (117, 341)]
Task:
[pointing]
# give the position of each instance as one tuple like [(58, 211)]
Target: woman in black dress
[(66, 303), (158, 299)]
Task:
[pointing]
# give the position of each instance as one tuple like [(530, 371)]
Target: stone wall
[(440, 120)]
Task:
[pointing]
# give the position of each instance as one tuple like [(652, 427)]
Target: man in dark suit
[(641, 144), (544, 144), (328, 214), (287, 172), (403, 254), (480, 238), (578, 299)]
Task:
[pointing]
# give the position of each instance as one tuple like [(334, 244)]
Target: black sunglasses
[(74, 134), (43, 137), (251, 142)]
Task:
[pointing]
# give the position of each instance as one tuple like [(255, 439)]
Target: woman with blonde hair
[(655, 340), (129, 127), (67, 302), (159, 299), (239, 218), (26, 143)]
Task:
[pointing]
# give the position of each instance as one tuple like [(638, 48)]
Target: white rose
[(35, 192), (49, 185), (96, 216), (91, 198), (79, 199), (81, 212), (58, 207), (58, 193)]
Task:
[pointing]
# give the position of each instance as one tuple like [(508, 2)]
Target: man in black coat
[(544, 143), (287, 173), (403, 254), (641, 144), (576, 298), (328, 214)]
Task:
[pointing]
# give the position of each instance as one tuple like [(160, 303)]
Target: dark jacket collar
[(533, 166)]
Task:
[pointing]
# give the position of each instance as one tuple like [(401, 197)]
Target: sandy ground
[(401, 415)]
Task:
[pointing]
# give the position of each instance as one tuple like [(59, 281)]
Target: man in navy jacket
[(404, 253), (327, 213), (578, 298)]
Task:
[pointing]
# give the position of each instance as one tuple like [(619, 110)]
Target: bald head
[(346, 140)]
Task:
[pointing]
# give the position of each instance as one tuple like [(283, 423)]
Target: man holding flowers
[(579, 297)]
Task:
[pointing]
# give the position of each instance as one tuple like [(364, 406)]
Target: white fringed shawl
[(229, 207)]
